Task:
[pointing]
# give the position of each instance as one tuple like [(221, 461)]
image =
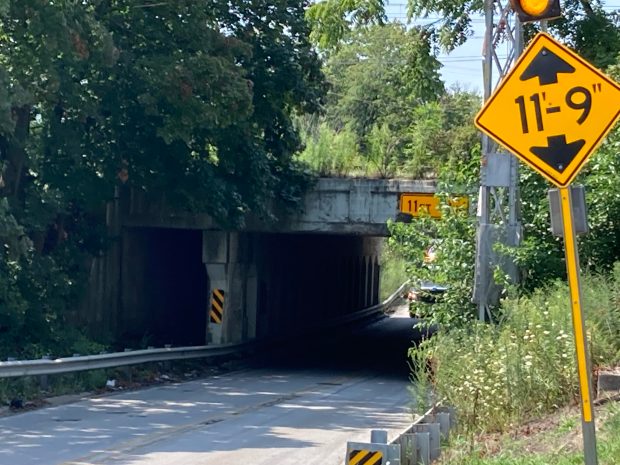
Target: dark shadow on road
[(312, 384), (380, 348)]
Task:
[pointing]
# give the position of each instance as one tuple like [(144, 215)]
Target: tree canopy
[(189, 99), (194, 98), (584, 25), (378, 76)]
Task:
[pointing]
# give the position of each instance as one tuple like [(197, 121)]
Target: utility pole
[(498, 198)]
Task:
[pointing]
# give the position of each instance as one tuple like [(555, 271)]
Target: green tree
[(441, 136), (451, 239), (189, 99), (377, 78), (590, 30), (332, 20), (584, 25), (446, 146)]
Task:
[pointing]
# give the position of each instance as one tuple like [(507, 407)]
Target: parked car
[(425, 293)]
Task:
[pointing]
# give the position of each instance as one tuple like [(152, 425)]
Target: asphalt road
[(300, 405)]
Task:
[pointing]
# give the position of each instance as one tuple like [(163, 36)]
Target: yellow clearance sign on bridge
[(423, 203), (552, 110)]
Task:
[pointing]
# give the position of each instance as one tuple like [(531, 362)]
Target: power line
[(446, 59)]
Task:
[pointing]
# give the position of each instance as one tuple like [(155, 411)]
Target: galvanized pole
[(498, 198), (482, 258), (581, 344)]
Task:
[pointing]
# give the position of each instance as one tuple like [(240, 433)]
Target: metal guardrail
[(418, 444), (44, 366), (370, 311), (95, 362), (421, 442)]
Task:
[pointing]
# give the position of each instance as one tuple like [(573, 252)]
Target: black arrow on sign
[(558, 154), (546, 67)]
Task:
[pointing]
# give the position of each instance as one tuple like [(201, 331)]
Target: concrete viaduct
[(176, 278)]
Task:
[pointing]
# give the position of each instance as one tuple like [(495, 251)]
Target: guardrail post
[(393, 452), (420, 443), (408, 449), (378, 436), (434, 439), (423, 448), (127, 370), (443, 419), (451, 411), (43, 380), (167, 364)]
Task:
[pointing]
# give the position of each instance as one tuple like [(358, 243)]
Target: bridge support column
[(367, 281), (375, 280), (231, 312)]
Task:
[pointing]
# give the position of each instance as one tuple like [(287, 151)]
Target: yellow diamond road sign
[(551, 110)]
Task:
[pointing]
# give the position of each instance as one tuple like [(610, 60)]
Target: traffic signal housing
[(536, 10)]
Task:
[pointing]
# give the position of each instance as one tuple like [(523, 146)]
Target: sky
[(464, 65)]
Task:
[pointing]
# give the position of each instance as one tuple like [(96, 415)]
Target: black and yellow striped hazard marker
[(217, 306), (365, 457)]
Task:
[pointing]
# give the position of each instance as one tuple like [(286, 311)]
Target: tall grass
[(497, 375), (525, 451), (330, 153), (601, 298)]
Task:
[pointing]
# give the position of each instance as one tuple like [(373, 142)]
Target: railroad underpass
[(190, 287), (176, 278), (300, 400)]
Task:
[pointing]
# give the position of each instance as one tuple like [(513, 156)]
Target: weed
[(539, 448)]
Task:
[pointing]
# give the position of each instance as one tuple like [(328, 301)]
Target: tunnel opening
[(165, 285), (308, 280)]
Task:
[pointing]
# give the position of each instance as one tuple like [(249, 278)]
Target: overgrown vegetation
[(393, 270), (500, 375), (387, 112), (523, 365), (552, 440), (429, 138)]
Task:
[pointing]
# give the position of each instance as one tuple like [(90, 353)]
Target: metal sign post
[(583, 368)]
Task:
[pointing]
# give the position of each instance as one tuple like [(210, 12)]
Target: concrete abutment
[(193, 287)]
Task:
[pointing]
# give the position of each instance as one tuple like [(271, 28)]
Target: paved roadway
[(300, 406)]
